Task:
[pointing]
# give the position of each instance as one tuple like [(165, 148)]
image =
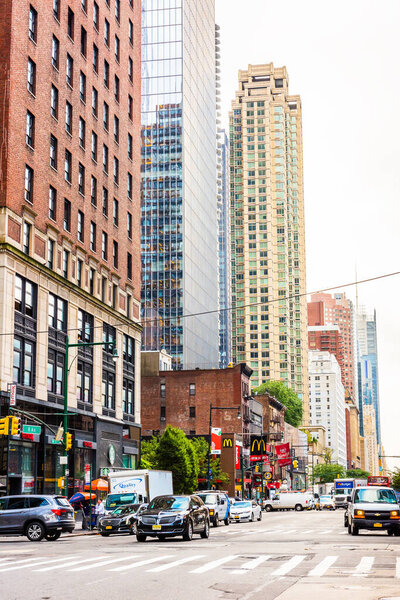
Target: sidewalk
[(79, 531)]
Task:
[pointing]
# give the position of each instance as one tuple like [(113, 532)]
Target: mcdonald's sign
[(258, 448), (227, 443)]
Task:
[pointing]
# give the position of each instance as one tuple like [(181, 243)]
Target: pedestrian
[(99, 510), (84, 519)]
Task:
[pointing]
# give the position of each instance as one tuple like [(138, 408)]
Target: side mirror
[(348, 498)]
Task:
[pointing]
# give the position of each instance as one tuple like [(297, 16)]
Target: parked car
[(218, 505), (36, 516), (121, 520), (169, 516), (373, 508), (326, 502), (288, 501), (246, 510)]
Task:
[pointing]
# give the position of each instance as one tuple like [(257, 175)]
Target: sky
[(342, 58)]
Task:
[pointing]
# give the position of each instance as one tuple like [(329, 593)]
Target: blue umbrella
[(81, 497)]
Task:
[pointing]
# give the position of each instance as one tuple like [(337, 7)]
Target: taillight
[(58, 511)]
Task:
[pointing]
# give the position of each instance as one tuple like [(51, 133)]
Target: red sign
[(378, 480), (88, 444), (27, 436), (13, 394), (283, 454), (87, 473), (215, 440), (237, 457), (259, 458)]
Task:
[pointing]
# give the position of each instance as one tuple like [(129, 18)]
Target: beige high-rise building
[(371, 443), (269, 320)]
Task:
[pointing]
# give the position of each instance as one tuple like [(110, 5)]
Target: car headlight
[(211, 511), (394, 513), (359, 513)]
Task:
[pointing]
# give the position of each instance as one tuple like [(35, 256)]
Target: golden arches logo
[(227, 443), (260, 444)]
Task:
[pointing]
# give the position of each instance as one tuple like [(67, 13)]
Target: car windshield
[(325, 498), (114, 500), (243, 504), (375, 495), (123, 510), (169, 503), (208, 498)]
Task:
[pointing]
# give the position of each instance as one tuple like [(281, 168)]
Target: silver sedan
[(245, 510)]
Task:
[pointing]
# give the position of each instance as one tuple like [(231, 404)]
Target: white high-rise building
[(327, 402)]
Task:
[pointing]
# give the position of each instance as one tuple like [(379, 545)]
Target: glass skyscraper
[(179, 243), (367, 349)]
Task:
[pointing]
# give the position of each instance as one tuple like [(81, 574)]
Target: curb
[(83, 534)]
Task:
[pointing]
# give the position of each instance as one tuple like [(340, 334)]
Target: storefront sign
[(283, 454), (13, 394), (258, 448), (237, 457), (215, 440), (111, 454), (88, 444)]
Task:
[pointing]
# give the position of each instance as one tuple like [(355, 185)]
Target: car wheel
[(35, 531), (354, 530), (52, 536), (140, 537), (346, 521), (226, 521), (104, 534), (396, 532), (298, 507), (348, 528), (188, 535), (216, 521), (268, 508), (206, 532), (260, 517)]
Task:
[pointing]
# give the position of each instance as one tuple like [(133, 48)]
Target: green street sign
[(32, 429), (54, 441)]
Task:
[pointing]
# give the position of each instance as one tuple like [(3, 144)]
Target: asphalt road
[(286, 556)]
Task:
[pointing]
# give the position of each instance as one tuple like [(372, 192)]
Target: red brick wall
[(5, 39), (315, 312), (20, 100)]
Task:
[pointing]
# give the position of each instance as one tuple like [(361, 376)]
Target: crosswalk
[(275, 566), (234, 531)]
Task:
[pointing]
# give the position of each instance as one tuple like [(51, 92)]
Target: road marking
[(398, 567), (251, 564), (214, 564), (71, 564), (307, 531), (288, 566), (364, 566), (175, 563), (343, 532), (140, 563), (291, 531), (35, 563), (326, 531), (323, 566), (104, 562)]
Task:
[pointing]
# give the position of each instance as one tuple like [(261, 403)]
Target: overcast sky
[(343, 59)]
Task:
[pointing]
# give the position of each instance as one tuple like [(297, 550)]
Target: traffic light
[(15, 428), (68, 441), (256, 469), (4, 426), (295, 464), (60, 482)]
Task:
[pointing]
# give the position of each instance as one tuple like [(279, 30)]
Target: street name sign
[(32, 429)]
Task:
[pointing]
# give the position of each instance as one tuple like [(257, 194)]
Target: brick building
[(69, 229)]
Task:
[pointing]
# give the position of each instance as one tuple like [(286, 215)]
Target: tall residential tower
[(269, 320), (179, 208)]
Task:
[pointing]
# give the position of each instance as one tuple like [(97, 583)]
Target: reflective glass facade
[(179, 232)]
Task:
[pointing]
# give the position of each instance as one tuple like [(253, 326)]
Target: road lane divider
[(323, 566), (214, 564), (288, 566)]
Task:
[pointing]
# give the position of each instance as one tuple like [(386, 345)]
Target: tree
[(148, 449), (174, 452), (294, 405), (328, 455), (326, 473), (396, 479), (201, 447), (357, 473)]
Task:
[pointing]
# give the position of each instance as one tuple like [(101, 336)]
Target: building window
[(82, 86), (95, 102), (117, 10), (68, 118), (57, 313), (116, 170), (130, 146), (84, 5), (55, 52), (67, 165), (94, 146), (130, 32), (116, 129), (65, 263), (91, 281), (106, 74), (54, 102), (129, 225), (82, 133), (30, 129), (130, 107), (93, 236), (105, 202), (55, 372), (93, 190), (67, 215), (53, 151), (50, 254), (130, 185), (162, 390), (115, 254), (84, 384), (105, 159), (128, 403), (117, 48), (70, 23), (106, 33), (31, 77), (81, 179), (32, 23), (26, 237), (192, 389), (115, 212), (23, 361), (25, 297), (104, 245), (28, 193), (52, 203), (83, 41), (108, 390), (116, 88), (163, 413), (129, 266), (85, 326), (79, 269), (69, 73), (96, 15), (192, 412), (81, 226), (130, 69), (106, 116), (95, 59)]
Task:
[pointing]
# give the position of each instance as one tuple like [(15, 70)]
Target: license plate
[(108, 526), (156, 527), (377, 524), (236, 517)]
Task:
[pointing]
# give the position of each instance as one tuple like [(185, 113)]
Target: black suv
[(36, 516), (168, 516)]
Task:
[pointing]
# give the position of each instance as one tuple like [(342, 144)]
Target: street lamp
[(115, 357), (239, 416)]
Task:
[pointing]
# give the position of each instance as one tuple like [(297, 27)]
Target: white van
[(289, 501)]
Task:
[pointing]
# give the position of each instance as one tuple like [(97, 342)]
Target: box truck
[(136, 486)]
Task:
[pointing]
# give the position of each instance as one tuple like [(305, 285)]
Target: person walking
[(99, 510), (84, 518)]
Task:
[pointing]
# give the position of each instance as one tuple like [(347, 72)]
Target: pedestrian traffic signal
[(60, 482), (15, 428), (4, 426), (68, 441)]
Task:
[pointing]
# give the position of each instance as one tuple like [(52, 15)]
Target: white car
[(245, 510)]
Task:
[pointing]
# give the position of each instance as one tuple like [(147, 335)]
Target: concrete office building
[(69, 234), (327, 402), (179, 209), (267, 225)]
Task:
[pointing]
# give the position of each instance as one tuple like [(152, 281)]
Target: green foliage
[(294, 405), (396, 479), (326, 473), (201, 447), (148, 449), (357, 473)]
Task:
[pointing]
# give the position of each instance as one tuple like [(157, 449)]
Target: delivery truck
[(136, 487)]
